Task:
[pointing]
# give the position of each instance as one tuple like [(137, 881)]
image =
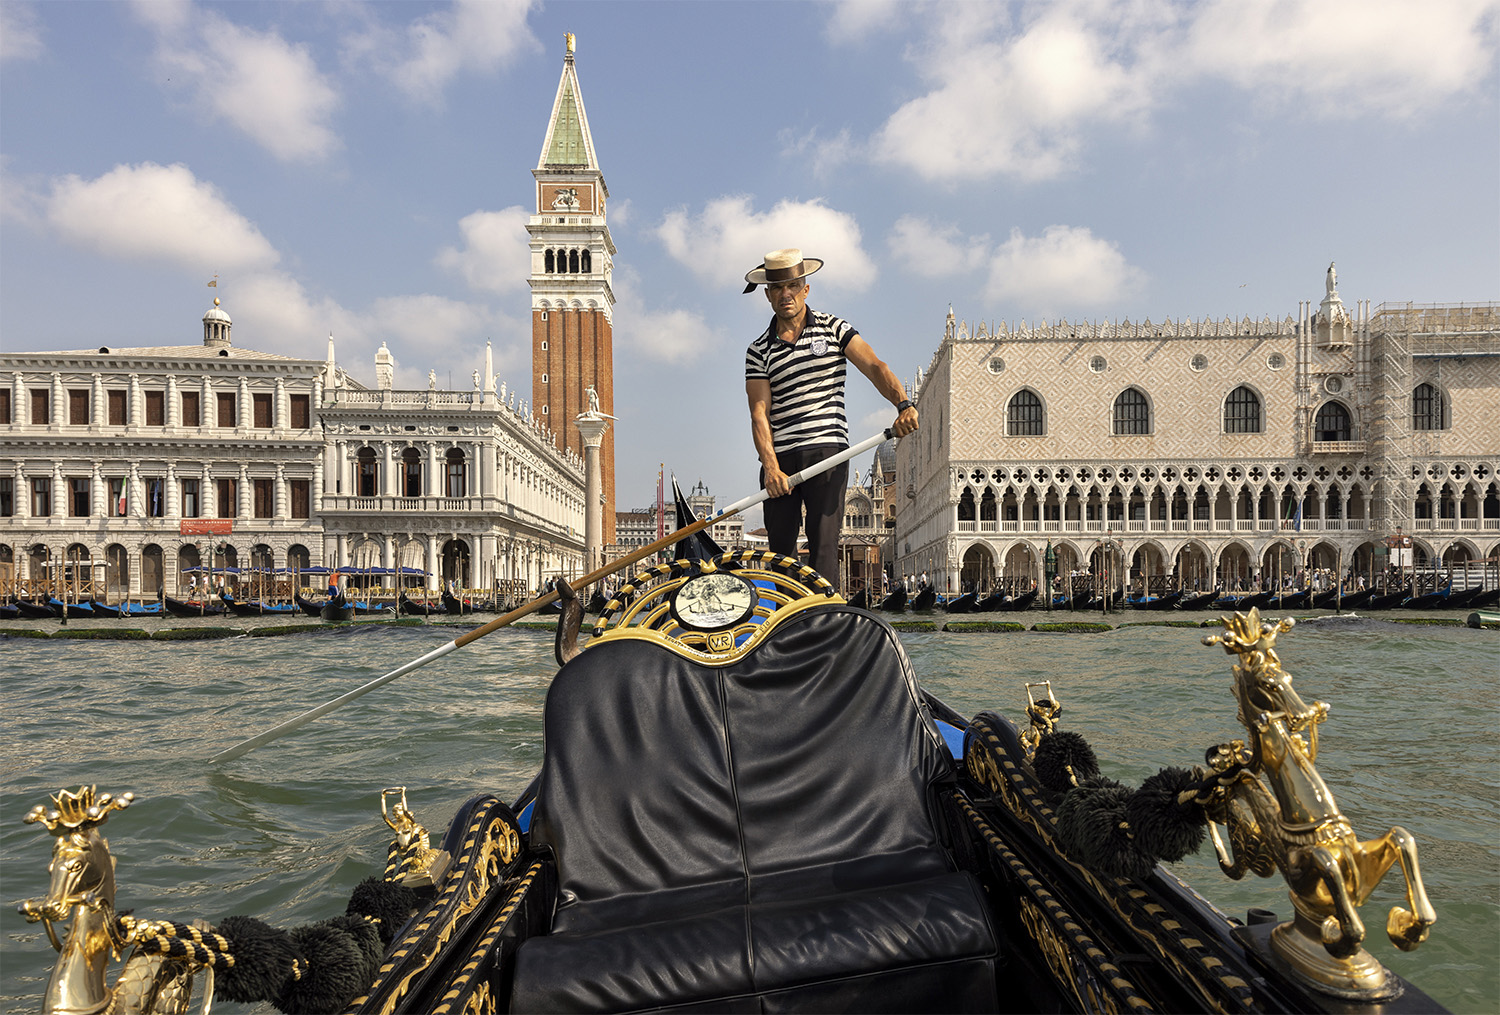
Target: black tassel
[(1093, 828), (1161, 826), (343, 956), (1057, 753), (263, 960), (391, 905)]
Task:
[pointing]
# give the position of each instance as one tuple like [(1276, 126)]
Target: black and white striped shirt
[(807, 381)]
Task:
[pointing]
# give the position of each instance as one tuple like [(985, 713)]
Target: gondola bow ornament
[(1279, 814)]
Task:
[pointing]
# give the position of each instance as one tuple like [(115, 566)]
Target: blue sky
[(364, 170)]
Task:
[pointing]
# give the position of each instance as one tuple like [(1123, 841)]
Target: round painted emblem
[(712, 602), (819, 346)]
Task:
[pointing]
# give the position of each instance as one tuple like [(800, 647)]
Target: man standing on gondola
[(794, 378)]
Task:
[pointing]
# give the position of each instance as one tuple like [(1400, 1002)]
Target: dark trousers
[(822, 497)]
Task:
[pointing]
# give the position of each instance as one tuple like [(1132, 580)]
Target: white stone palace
[(154, 461), (1214, 453)]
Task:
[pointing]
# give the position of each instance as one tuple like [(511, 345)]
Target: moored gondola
[(104, 611), (455, 606), (33, 609), (192, 608), (258, 608), (895, 601), (1429, 600), (1017, 604), (1203, 601), (990, 603), (754, 794), (1486, 600), (1295, 600), (1355, 600), (925, 599), (413, 608), (961, 604), (1165, 602), (861, 599), (596, 603), (309, 607), (336, 608), (1389, 600)]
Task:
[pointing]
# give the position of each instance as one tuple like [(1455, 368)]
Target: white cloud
[(1389, 57), (496, 253), (854, 20), (729, 238), (1065, 266), (158, 212), (664, 336), (20, 32), (473, 35), (1020, 97), (928, 250), (259, 83), (1015, 105)]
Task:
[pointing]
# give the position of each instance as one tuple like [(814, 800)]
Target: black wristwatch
[(904, 404)]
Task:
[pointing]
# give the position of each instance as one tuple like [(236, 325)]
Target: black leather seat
[(751, 837)]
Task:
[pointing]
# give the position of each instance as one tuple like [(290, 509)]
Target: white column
[(135, 493), (281, 497), (137, 413), (246, 498), (100, 414), (174, 403), (243, 417), (208, 496), (591, 428), (434, 566), (59, 401), (173, 506), (281, 411), (387, 485), (97, 493)]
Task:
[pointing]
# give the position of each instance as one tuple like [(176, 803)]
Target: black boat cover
[(759, 835)]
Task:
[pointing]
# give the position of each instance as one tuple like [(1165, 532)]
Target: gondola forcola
[(276, 732), (747, 802)]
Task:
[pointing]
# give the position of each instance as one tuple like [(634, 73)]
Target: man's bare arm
[(758, 390), (885, 380)]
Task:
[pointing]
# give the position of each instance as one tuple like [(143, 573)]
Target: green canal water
[(286, 832)]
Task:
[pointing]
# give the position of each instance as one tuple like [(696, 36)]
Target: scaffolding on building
[(1402, 334)]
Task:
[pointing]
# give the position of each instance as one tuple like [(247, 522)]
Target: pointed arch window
[(1332, 423), (1242, 411), (1025, 416), (1427, 408), (1132, 412)]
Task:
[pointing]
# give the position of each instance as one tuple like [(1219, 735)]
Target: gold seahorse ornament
[(1279, 814)]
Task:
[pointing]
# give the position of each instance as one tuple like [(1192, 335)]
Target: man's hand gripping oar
[(276, 732)]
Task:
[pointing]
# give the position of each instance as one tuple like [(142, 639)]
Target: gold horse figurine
[(82, 890), (1290, 822)]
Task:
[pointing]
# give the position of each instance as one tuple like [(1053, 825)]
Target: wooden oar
[(276, 732)]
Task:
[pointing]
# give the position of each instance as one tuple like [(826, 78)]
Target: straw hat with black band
[(781, 266)]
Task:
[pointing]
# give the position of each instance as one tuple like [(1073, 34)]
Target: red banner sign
[(206, 527)]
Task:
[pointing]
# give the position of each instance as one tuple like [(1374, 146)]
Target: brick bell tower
[(572, 260)]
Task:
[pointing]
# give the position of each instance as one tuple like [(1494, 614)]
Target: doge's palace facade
[(1210, 453)]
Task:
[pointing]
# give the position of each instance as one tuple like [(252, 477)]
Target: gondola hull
[(188, 608), (895, 602), (1156, 603), (1017, 604), (925, 599), (963, 604)]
